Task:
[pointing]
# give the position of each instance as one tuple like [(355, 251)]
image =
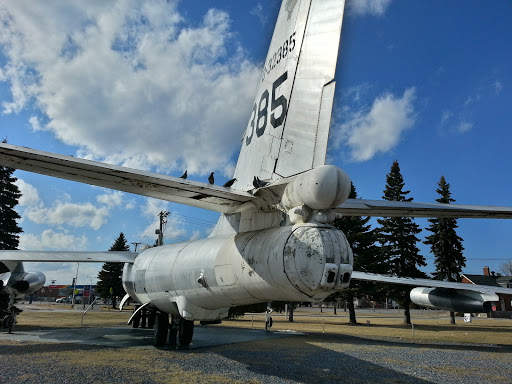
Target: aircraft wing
[(81, 257), (177, 190), (377, 278), (384, 208)]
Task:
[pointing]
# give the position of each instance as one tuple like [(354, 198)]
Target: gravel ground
[(297, 359)]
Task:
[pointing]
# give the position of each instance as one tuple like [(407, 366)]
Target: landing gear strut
[(9, 319), (8, 322), (178, 329), (145, 318), (181, 329)]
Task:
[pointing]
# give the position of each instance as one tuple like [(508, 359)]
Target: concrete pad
[(204, 336)]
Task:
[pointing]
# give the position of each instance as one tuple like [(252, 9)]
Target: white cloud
[(64, 212), (29, 194), (34, 123), (153, 207), (498, 86), (368, 7), (196, 235), (130, 82), (464, 126), (446, 116), (51, 240), (64, 273), (111, 199), (455, 123), (260, 13), (76, 215), (379, 129)]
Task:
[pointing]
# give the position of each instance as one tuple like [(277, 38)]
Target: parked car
[(63, 300)]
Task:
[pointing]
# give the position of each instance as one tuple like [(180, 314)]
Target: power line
[(192, 220), (151, 226)]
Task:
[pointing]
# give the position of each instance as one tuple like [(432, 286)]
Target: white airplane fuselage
[(279, 249), (200, 280)]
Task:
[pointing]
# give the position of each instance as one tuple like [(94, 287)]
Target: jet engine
[(455, 300), (26, 282)]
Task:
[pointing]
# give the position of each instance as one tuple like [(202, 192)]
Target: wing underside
[(201, 195), (57, 257), (377, 278), (384, 208)]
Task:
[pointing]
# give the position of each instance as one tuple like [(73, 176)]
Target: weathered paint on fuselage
[(201, 279)]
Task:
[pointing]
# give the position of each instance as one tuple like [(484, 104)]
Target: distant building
[(491, 279), (53, 292)]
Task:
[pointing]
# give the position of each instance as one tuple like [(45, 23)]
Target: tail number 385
[(259, 115)]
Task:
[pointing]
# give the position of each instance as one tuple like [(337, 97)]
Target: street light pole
[(74, 286), (90, 289)]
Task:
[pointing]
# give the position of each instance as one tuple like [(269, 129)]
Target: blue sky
[(167, 86)]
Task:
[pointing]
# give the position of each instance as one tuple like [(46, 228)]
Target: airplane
[(273, 240)]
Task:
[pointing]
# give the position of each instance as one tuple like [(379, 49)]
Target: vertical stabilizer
[(289, 124)]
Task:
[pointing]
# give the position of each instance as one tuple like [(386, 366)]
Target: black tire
[(160, 329), (151, 319), (185, 332), (136, 320)]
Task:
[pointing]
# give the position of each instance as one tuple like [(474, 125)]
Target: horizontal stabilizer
[(384, 208), (411, 281), (177, 190), (57, 257)]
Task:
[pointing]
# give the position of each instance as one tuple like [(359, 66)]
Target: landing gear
[(185, 332), (136, 320), (178, 329), (143, 317), (9, 313), (181, 329), (8, 322), (160, 329)]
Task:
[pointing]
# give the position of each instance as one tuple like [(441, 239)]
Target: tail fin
[(289, 124)]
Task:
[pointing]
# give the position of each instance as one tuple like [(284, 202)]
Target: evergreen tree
[(110, 278), (9, 196), (9, 229), (445, 244), (362, 239), (397, 236)]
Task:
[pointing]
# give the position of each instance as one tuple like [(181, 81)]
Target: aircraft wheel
[(160, 329), (136, 320), (151, 319), (185, 332)]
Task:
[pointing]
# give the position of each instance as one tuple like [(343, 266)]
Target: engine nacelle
[(27, 282), (453, 300), (320, 188)]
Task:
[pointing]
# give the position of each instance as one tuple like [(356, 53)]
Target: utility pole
[(74, 286), (160, 232), (136, 245)]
